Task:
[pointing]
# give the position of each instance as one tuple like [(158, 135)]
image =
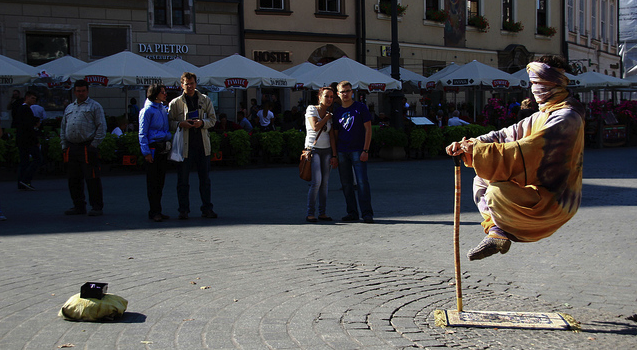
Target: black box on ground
[(93, 290)]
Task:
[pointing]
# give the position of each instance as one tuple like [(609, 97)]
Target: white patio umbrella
[(238, 72), (595, 80), (126, 69), (361, 76), (182, 66), (413, 80), (431, 82), (479, 75), (13, 72), (53, 73)]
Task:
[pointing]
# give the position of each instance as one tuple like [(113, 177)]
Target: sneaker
[(95, 212), (368, 220), (75, 211), (23, 186), (350, 217), (209, 214), (488, 247), (183, 215)]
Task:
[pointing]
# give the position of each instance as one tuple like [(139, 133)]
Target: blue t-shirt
[(350, 124)]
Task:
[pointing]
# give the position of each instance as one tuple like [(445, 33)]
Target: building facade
[(198, 31), (591, 36)]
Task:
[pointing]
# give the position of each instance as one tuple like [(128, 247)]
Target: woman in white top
[(324, 157), (265, 118)]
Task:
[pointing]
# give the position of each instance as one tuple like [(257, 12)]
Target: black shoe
[(350, 217), (311, 219), (75, 211), (488, 247), (324, 218), (95, 212), (209, 214), (183, 215), (158, 218), (368, 220), (25, 186)]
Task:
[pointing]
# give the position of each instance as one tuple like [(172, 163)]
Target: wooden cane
[(456, 231)]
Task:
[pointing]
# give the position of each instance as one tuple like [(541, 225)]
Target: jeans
[(347, 160), (320, 177), (28, 167), (197, 157)]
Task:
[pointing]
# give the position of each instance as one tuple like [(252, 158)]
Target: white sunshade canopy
[(414, 79), (238, 72), (13, 72), (574, 81), (53, 73), (476, 74), (593, 80), (359, 75), (126, 69), (432, 81)]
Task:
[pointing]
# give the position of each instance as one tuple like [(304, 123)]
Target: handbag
[(176, 154), (305, 166)]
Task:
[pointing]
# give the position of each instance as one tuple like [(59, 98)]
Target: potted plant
[(513, 27), (439, 16), (479, 22), (392, 143), (546, 31), (384, 7)]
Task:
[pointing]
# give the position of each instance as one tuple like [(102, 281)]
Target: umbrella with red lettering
[(126, 69), (13, 72), (238, 72), (479, 75)]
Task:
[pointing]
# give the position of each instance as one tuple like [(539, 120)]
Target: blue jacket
[(153, 125)]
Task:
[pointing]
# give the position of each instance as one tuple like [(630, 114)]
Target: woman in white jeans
[(324, 156)]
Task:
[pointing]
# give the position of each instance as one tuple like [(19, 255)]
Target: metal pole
[(396, 96)]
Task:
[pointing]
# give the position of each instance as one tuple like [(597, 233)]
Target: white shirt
[(324, 139)]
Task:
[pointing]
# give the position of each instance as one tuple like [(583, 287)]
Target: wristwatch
[(366, 150)]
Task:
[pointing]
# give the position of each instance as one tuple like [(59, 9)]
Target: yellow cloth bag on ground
[(108, 308)]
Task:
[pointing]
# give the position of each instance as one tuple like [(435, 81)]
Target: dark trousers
[(83, 164), (155, 177), (197, 157), (30, 161)]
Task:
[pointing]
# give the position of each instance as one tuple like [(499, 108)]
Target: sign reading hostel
[(272, 56)]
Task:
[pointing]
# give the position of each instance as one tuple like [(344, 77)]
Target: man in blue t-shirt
[(353, 129)]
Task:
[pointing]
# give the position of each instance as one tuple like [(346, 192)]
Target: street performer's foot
[(493, 243)]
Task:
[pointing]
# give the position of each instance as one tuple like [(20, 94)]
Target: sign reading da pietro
[(162, 51)]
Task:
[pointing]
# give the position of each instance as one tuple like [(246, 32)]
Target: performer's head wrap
[(548, 85)]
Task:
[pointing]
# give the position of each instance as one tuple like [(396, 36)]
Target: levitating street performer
[(529, 175)]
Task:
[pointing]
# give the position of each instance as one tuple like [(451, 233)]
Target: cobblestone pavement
[(276, 282)]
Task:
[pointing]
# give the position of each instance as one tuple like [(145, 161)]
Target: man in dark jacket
[(27, 142)]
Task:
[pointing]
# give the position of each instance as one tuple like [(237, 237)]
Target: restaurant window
[(171, 14), (106, 40), (271, 5), (473, 8), (507, 10), (570, 13), (45, 47), (594, 19), (541, 13), (330, 6), (602, 22)]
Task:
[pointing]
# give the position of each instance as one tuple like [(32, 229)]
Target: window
[(611, 25), (582, 23), (106, 40), (602, 22), (541, 13), (594, 19), (333, 6), (507, 10), (45, 47), (432, 9), (271, 5), (473, 8), (171, 14), (570, 15)]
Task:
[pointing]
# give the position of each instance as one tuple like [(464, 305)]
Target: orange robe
[(529, 175)]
